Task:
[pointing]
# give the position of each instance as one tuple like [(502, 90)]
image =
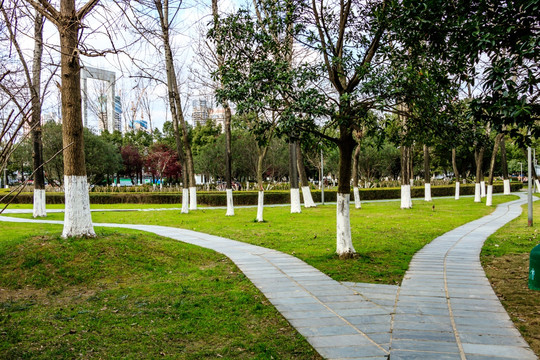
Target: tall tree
[(37, 150), (33, 84), (69, 22), (153, 20), (227, 124)]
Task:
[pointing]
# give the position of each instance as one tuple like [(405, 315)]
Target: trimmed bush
[(218, 198)]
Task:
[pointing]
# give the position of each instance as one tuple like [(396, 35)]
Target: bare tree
[(69, 22), (32, 76), (154, 19)]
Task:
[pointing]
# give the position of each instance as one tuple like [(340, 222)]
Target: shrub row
[(218, 198)]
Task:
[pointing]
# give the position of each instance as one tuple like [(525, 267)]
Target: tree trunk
[(504, 164), (178, 120), (355, 177), (37, 151), (260, 160), (304, 182), (456, 172), (411, 166), (496, 145), (405, 177), (301, 167), (228, 160), (404, 165), (293, 176), (346, 145), (227, 130), (478, 159), (77, 219), (497, 142), (454, 165), (427, 175)]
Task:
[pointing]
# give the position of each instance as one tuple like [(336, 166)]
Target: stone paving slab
[(447, 305), (444, 309)]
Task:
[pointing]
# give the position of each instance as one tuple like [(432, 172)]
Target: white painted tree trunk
[(537, 185), (230, 206), (507, 190), (39, 203), (457, 191), (260, 207), (295, 201), (185, 201), (489, 195), (77, 218), (308, 199), (193, 198), (477, 193), (357, 201), (482, 188), (406, 202), (411, 182), (344, 246), (427, 192)]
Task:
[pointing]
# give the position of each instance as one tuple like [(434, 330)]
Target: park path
[(444, 309)]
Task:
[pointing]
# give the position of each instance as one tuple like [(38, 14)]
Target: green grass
[(516, 237), (384, 236), (505, 258), (100, 206), (130, 295)]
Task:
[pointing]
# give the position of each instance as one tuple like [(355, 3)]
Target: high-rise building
[(103, 121), (117, 113), (200, 112), (139, 125)]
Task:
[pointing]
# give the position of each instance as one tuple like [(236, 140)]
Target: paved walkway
[(444, 309)]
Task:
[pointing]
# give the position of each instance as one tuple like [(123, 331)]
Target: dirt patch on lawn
[(508, 275)]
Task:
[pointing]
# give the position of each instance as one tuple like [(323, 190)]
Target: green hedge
[(218, 198)]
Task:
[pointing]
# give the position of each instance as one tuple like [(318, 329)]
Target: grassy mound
[(131, 296)]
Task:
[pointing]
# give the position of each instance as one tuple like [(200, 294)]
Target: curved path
[(444, 309)]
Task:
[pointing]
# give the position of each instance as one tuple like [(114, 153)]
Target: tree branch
[(86, 9), (46, 9)]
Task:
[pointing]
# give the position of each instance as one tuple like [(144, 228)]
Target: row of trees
[(407, 60), (431, 73), (110, 156)]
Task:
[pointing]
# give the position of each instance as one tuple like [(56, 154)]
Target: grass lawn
[(131, 295), (384, 236), (100, 206), (505, 258)]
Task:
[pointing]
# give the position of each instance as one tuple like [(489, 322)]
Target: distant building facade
[(103, 120), (218, 116), (203, 111), (200, 112), (139, 125)]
